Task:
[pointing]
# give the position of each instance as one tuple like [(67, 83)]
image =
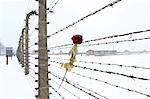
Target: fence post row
[(27, 41), (23, 50)]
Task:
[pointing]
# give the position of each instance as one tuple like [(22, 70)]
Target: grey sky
[(11, 21), (126, 16)]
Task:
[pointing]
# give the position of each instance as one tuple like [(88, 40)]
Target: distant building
[(2, 49), (90, 52), (101, 52), (61, 52), (105, 52)]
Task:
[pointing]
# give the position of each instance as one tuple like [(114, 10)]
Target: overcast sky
[(126, 16), (11, 21)]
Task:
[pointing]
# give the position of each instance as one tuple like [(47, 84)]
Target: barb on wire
[(121, 35), (105, 82), (75, 85), (117, 86), (107, 72), (50, 10), (89, 90), (67, 90), (109, 64), (56, 92), (57, 83), (83, 18), (121, 41), (110, 72), (103, 38), (106, 43)]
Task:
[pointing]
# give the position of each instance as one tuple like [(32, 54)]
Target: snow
[(15, 85), (102, 88)]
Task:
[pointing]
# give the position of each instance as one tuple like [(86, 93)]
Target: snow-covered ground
[(14, 84), (104, 89)]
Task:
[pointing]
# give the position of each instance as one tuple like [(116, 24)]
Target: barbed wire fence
[(97, 74)]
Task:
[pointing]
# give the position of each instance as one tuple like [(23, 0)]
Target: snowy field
[(101, 85), (13, 83)]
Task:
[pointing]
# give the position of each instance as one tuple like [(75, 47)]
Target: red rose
[(77, 39)]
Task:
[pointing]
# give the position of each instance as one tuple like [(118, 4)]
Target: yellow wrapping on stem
[(73, 52)]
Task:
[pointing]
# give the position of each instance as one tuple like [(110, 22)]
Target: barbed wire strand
[(107, 72), (50, 10), (104, 63), (56, 92), (51, 3), (89, 90), (86, 89), (75, 86), (106, 43), (112, 84), (119, 41), (66, 89), (109, 83), (117, 86), (81, 19), (109, 64), (95, 12), (115, 73), (119, 35), (103, 38), (43, 87)]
